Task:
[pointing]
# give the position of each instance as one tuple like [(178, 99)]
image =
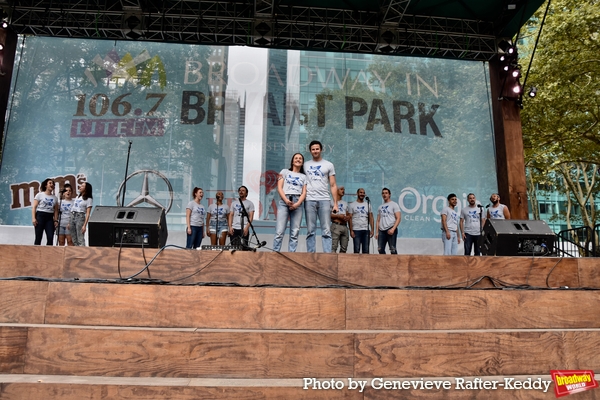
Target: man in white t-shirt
[(240, 236), (450, 218), (471, 223), (497, 210), (339, 224), (320, 175), (361, 221), (388, 219)]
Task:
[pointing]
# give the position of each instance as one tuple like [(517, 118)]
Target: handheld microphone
[(487, 206), (262, 244), (367, 198), (479, 205)]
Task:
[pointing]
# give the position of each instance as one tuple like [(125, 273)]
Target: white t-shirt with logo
[(471, 217), (46, 202), (497, 212), (81, 205), (451, 219), (317, 175), (387, 215), (236, 209), (198, 213), (360, 215), (65, 212), (342, 208), (293, 182), (218, 215)]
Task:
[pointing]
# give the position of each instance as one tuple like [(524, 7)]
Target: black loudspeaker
[(510, 237), (128, 227)]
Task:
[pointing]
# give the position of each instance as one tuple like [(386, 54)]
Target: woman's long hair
[(87, 192)]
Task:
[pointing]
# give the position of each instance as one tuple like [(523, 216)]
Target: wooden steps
[(207, 307), (105, 338), (296, 269)]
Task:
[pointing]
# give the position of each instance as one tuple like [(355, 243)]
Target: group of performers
[(303, 186), (307, 186), (469, 223), (220, 220), (69, 215)]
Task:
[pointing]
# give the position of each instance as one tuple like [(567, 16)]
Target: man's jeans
[(450, 245), (390, 240), (320, 208), (295, 216), (361, 238), (472, 241)]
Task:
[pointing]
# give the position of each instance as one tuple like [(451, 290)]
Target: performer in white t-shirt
[(497, 210), (450, 221), (66, 204), (320, 176), (44, 213), (80, 213), (194, 217), (361, 223), (291, 186), (240, 235), (388, 219), (217, 220)]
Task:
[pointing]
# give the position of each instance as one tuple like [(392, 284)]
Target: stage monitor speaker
[(510, 237), (128, 227)]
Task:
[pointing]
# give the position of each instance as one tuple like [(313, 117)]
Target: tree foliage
[(561, 125)]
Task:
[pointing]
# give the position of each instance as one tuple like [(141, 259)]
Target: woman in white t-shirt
[(217, 220), (80, 213), (44, 213), (65, 205), (291, 186), (194, 217)]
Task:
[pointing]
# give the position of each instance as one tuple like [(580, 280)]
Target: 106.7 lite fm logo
[(133, 114)]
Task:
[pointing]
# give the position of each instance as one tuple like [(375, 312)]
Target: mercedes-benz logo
[(145, 196)]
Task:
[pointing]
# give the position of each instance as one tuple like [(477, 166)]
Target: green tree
[(561, 124)]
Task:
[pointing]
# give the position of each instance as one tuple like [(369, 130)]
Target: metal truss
[(263, 23)]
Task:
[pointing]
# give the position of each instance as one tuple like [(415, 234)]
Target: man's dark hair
[(315, 142), (451, 195)]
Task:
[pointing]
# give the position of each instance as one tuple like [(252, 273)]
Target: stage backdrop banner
[(219, 117)]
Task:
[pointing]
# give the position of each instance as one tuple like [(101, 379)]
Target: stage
[(212, 324)]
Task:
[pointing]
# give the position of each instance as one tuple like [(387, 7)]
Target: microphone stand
[(480, 240), (126, 169), (368, 223), (59, 216), (246, 246), (481, 227)]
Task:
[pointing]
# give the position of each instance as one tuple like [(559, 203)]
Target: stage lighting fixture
[(516, 88), (1, 47), (516, 73), (506, 68), (507, 47), (4, 24), (533, 91)]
